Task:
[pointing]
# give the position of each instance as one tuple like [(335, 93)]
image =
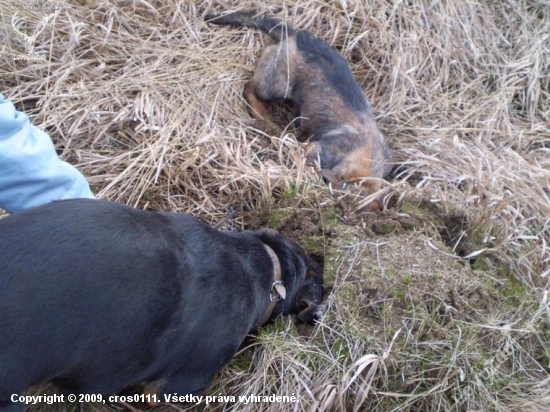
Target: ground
[(439, 303)]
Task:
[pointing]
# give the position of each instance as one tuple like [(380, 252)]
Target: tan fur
[(345, 142)]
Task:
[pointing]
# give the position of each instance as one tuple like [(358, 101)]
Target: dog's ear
[(268, 236), (271, 232)]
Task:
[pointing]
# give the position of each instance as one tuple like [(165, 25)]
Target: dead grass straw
[(145, 99)]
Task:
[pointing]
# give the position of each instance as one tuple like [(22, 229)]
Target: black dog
[(98, 297)]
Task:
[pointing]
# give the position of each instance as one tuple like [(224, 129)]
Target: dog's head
[(355, 162), (302, 277)]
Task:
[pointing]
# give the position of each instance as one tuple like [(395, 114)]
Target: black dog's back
[(64, 279), (101, 299)]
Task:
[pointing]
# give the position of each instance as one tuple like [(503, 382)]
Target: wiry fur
[(345, 140)]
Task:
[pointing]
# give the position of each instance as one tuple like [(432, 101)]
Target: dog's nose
[(307, 312)]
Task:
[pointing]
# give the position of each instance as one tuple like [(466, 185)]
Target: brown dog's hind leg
[(262, 120), (259, 109)]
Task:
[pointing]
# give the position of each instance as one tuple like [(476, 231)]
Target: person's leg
[(31, 173)]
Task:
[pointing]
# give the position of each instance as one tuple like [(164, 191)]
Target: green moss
[(339, 348), (423, 213), (511, 292), (329, 219), (409, 224), (277, 328), (512, 288), (385, 228), (330, 268), (314, 245), (412, 210), (357, 330), (333, 259), (506, 286), (291, 192), (279, 217), (240, 362), (481, 265), (398, 294)]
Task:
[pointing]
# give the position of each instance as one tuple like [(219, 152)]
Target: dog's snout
[(307, 311)]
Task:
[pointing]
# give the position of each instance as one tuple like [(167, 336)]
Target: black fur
[(272, 27), (99, 297), (318, 53)]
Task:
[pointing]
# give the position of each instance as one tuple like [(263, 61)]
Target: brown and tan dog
[(345, 143)]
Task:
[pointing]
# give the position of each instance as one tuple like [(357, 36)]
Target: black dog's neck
[(277, 291)]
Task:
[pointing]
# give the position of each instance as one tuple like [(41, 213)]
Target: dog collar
[(277, 291)]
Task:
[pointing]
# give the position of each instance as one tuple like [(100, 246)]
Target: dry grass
[(145, 99)]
